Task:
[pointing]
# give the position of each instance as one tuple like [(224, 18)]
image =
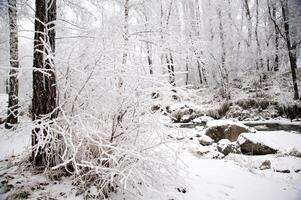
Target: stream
[(258, 125)]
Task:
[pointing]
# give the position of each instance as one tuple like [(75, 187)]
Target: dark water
[(260, 126), (274, 126)]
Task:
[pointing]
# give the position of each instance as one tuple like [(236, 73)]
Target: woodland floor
[(200, 176)]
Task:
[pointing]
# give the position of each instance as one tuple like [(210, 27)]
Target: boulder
[(225, 129), (182, 114), (251, 147), (265, 165), (226, 147), (206, 140)]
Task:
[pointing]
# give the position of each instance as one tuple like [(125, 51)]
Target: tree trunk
[(44, 100), (126, 31), (259, 53), (187, 71), (290, 47), (200, 71), (12, 114), (149, 57), (276, 60), (249, 21), (170, 68), (224, 72)]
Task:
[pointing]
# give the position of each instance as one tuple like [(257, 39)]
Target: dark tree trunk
[(200, 72), (12, 114), (187, 71), (259, 53), (291, 47), (170, 68), (44, 100), (276, 60), (149, 58), (249, 21)]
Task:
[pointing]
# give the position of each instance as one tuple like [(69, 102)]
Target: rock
[(225, 129), (226, 147), (209, 152), (206, 140), (265, 165), (285, 171), (250, 147), (178, 114), (182, 190), (185, 119), (295, 152), (156, 107)]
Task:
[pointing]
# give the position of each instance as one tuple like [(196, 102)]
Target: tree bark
[(259, 53), (149, 57), (44, 100), (187, 71), (126, 31), (249, 21), (224, 72), (276, 59), (291, 47), (12, 114), (170, 68)]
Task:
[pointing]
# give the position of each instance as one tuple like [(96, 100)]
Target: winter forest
[(150, 99)]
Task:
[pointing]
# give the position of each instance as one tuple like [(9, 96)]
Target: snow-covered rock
[(206, 140), (226, 147), (226, 129), (251, 147), (265, 165), (269, 142), (182, 114)]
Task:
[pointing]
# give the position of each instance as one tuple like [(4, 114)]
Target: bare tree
[(12, 115), (291, 45), (168, 56)]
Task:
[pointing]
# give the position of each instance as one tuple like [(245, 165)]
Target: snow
[(3, 105), (283, 141), (13, 142), (223, 179), (202, 119), (199, 177), (236, 177), (214, 123)]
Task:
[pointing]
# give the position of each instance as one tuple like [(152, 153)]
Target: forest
[(150, 99)]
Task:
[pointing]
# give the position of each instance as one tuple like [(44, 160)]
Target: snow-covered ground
[(235, 177), (14, 142), (3, 105), (225, 179)]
